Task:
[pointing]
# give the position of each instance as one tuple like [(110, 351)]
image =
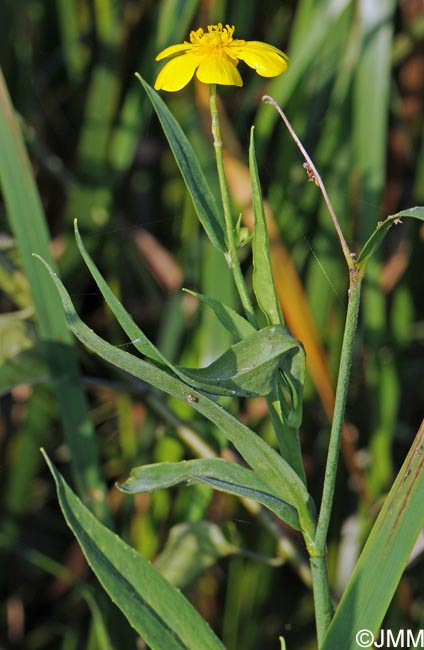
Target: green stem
[(231, 255), (318, 565), (322, 599)]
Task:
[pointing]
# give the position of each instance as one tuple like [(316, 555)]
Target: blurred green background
[(355, 94)]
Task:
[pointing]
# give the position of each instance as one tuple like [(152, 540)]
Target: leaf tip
[(47, 460)]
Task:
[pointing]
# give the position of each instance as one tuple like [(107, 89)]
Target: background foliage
[(354, 92)]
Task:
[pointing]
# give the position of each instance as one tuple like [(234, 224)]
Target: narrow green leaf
[(383, 228), (98, 632), (190, 549), (286, 431), (384, 557), (134, 333), (247, 368), (222, 475), (274, 471), (156, 610), (202, 197), (373, 77), (27, 221), (236, 325), (286, 420), (263, 279)]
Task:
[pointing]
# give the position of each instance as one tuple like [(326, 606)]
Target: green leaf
[(274, 471), (370, 120), (292, 368), (286, 419), (383, 228), (156, 610), (202, 197), (385, 555), (190, 549), (236, 325), (247, 368), (99, 636), (251, 366), (263, 279), (28, 224), (286, 430), (134, 333), (222, 475)]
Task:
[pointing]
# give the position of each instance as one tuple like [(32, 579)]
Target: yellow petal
[(173, 49), (267, 60), (177, 72), (218, 69)]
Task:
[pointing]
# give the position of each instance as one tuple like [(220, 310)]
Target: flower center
[(216, 37)]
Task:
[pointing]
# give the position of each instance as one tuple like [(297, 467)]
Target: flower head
[(214, 56)]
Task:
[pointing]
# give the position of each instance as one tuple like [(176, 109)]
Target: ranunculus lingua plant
[(262, 361)]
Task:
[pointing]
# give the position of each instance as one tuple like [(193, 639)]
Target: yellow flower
[(214, 56)]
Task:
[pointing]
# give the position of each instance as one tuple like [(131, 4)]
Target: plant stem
[(339, 410), (323, 606), (231, 255), (322, 599), (318, 565)]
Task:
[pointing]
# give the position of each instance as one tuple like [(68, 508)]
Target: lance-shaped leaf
[(222, 475), (236, 325), (384, 557), (274, 471), (383, 228), (202, 197), (286, 418), (248, 368), (155, 609), (263, 280), (284, 422), (134, 333)]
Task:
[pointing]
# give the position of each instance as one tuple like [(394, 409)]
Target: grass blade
[(28, 225), (380, 566), (373, 78)]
